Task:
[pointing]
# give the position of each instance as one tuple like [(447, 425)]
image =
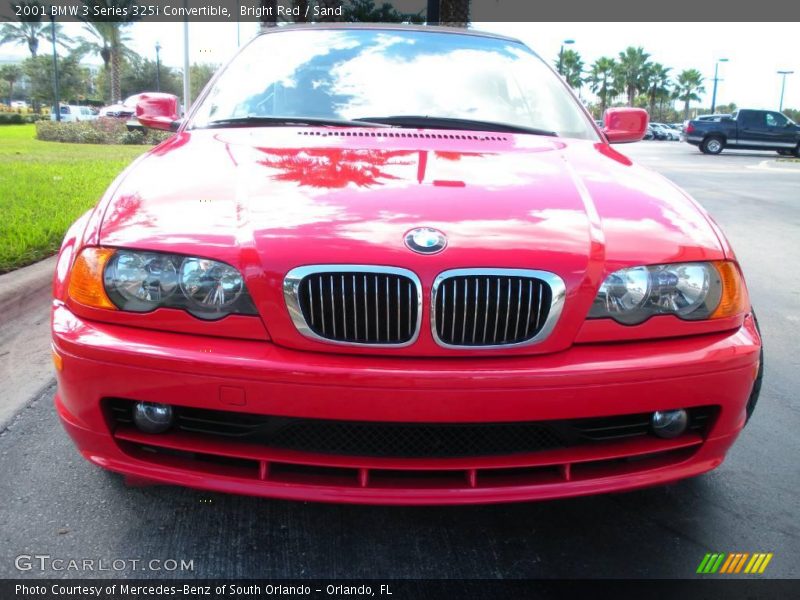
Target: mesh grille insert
[(407, 440)]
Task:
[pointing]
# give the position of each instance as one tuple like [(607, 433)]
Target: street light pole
[(561, 56), (158, 67), (56, 91), (716, 79), (187, 101), (783, 75)]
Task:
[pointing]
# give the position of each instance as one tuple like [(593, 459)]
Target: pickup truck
[(745, 129)]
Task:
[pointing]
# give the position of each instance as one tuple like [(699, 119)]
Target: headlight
[(209, 284), (692, 291), (143, 281)]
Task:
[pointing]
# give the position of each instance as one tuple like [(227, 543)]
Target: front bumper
[(109, 361)]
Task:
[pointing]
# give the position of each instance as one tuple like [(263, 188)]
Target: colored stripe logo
[(734, 562)]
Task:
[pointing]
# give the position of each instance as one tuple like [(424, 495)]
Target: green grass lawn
[(45, 186)]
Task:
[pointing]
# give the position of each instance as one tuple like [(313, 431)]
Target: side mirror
[(623, 125), (158, 111)]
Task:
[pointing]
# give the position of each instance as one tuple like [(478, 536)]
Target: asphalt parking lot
[(52, 502)]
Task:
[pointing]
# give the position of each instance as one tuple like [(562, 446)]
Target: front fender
[(73, 241)]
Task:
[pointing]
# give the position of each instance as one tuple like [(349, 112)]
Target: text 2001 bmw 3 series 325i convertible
[(400, 266)]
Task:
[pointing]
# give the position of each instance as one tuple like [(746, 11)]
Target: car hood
[(270, 199)]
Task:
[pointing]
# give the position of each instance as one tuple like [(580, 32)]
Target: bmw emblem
[(426, 240)]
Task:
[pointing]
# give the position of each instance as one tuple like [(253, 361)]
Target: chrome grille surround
[(557, 297), (291, 293)]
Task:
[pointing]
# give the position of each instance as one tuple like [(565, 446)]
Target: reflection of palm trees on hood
[(128, 211), (333, 167)]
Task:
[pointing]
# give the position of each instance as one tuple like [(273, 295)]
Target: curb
[(17, 287), (25, 363)]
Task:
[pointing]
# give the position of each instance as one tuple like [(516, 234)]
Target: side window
[(776, 120), (756, 119)]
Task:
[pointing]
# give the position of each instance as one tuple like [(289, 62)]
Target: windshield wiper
[(271, 121), (426, 122)]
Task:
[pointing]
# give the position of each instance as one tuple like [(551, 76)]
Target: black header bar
[(632, 11)]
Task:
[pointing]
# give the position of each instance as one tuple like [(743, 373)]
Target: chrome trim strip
[(765, 143), (557, 287), (291, 295)]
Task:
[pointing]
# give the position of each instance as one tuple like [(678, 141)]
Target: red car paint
[(269, 200)]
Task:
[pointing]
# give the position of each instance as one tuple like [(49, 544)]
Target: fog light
[(151, 417), (669, 423)]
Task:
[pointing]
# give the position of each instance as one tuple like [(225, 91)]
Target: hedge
[(98, 131), (10, 118)]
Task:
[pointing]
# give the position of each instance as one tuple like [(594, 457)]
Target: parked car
[(71, 113), (125, 111), (649, 133), (362, 277), (746, 129), (665, 132), (658, 132)]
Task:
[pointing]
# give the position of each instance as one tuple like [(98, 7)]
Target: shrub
[(132, 137), (11, 119), (99, 131)]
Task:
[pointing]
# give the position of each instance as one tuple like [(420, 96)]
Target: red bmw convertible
[(399, 265)]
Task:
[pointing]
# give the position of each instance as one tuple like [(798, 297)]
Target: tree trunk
[(685, 110), (303, 6), (33, 46), (10, 92), (269, 16), (116, 95), (454, 13)]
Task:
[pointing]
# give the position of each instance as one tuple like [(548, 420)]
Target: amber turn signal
[(58, 362), (86, 279), (733, 300)]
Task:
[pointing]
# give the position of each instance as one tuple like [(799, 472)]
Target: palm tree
[(103, 35), (658, 84), (689, 86), (572, 68), (10, 74), (30, 29), (111, 32), (601, 80), (631, 72)]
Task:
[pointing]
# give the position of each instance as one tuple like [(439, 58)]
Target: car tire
[(784, 152), (756, 391), (712, 145), (796, 151)]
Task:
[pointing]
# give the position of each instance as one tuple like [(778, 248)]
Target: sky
[(754, 51)]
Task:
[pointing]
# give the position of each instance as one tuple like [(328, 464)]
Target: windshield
[(369, 74)]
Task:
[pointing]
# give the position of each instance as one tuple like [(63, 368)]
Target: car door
[(752, 128), (782, 132)]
